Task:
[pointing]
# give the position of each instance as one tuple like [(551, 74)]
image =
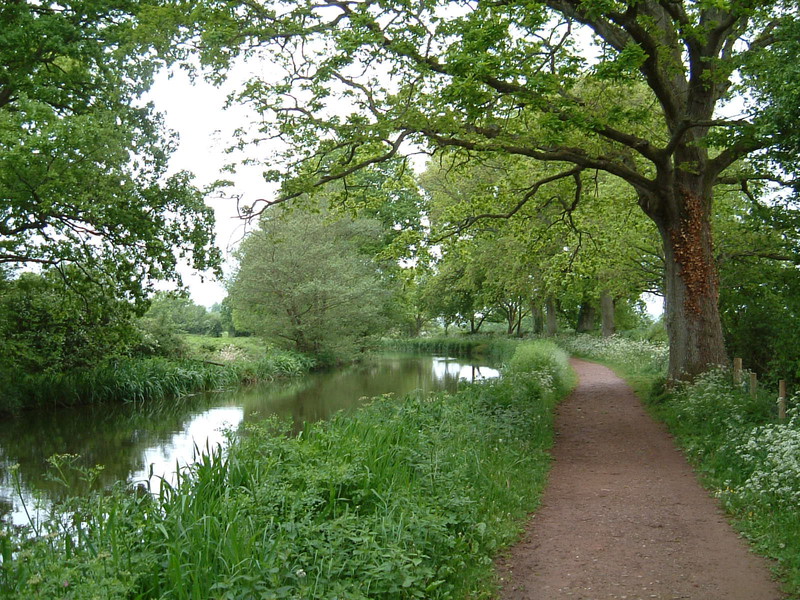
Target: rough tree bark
[(537, 316), (551, 322), (607, 314), (691, 308), (586, 315)]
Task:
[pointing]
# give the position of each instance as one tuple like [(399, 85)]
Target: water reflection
[(136, 444)]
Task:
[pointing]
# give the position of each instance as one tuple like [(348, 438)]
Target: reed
[(495, 347), (146, 380)]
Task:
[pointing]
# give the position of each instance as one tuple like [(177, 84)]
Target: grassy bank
[(748, 459), (405, 498), (148, 380)]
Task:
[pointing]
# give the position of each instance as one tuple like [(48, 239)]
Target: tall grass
[(146, 380), (405, 498)]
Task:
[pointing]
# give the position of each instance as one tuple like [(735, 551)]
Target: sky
[(194, 110)]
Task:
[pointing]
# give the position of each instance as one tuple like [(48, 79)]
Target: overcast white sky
[(195, 111)]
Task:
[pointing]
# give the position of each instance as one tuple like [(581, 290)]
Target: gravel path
[(624, 516)]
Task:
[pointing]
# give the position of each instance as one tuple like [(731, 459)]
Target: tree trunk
[(537, 318), (511, 317), (585, 318), (691, 304), (551, 325), (607, 314)]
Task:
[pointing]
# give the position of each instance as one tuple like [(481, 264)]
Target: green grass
[(404, 498)]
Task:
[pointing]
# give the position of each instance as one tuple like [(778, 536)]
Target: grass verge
[(749, 459), (406, 498)]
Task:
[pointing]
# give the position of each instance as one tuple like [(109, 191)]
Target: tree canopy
[(83, 160), (635, 89), (304, 281)]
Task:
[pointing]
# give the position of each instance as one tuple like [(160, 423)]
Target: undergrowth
[(404, 498), (465, 345)]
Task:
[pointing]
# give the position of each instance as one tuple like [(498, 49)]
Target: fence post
[(737, 371), (782, 400), (753, 385)]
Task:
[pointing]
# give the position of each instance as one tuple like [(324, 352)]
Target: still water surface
[(137, 444)]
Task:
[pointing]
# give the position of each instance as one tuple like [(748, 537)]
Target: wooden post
[(737, 371), (782, 400), (753, 385)]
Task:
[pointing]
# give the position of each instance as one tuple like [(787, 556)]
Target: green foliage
[(147, 380), (467, 346), (304, 283), (758, 248), (576, 92), (56, 321), (748, 459), (405, 498), (773, 74), (83, 161), (169, 318)]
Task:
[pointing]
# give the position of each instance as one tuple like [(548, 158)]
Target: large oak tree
[(634, 88)]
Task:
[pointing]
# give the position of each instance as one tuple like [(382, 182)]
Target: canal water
[(141, 444)]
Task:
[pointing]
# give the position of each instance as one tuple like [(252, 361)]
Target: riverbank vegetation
[(744, 454), (404, 498), (147, 379)]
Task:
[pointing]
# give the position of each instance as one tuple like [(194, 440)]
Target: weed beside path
[(623, 514)]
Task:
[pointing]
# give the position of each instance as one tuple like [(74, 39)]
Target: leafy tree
[(82, 159), (181, 313), (583, 245), (304, 282), (51, 323), (758, 250), (515, 78)]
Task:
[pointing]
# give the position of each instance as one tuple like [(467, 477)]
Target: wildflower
[(300, 573)]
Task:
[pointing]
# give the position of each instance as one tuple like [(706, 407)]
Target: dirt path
[(624, 516)]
